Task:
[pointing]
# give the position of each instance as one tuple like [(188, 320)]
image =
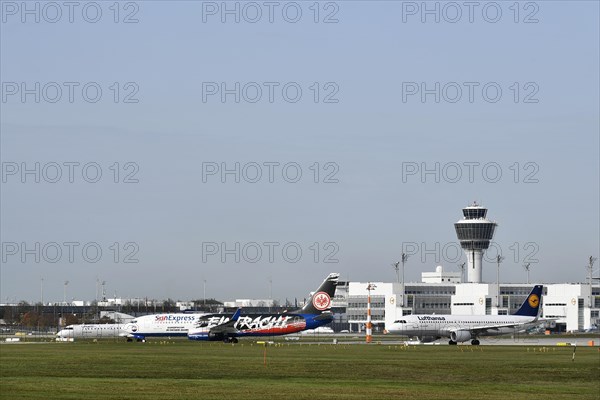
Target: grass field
[(192, 370)]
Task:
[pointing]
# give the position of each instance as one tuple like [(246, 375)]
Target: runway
[(521, 340)]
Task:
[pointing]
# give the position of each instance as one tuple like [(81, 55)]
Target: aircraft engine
[(460, 336)]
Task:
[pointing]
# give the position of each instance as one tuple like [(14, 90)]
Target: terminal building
[(571, 306)]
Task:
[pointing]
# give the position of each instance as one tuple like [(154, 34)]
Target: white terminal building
[(573, 306)]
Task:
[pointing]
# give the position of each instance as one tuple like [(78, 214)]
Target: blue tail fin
[(531, 305), (236, 315)]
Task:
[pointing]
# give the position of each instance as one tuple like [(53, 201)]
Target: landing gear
[(452, 343), (230, 340), (475, 342), (129, 339)]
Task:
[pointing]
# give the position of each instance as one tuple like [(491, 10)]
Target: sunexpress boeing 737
[(315, 313), (461, 328)]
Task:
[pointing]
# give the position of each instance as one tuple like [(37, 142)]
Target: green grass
[(192, 370)]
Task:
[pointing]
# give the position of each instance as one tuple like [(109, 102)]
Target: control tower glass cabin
[(474, 232)]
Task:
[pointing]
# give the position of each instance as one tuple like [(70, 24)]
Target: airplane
[(160, 325), (91, 331), (462, 328), (315, 313)]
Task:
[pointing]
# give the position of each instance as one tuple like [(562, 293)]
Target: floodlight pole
[(527, 266), (270, 293), (590, 268), (65, 292), (462, 272), (499, 259), (402, 286), (396, 266)]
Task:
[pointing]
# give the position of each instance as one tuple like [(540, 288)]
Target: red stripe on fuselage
[(279, 330)]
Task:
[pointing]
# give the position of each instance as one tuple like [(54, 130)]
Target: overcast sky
[(177, 145)]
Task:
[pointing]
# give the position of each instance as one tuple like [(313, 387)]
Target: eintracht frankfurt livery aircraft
[(315, 313), (461, 328)]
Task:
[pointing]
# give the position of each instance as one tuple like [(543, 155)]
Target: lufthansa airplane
[(461, 328), (315, 313)]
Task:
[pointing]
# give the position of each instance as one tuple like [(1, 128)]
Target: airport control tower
[(474, 232)]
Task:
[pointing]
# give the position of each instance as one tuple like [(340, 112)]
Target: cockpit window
[(400, 321)]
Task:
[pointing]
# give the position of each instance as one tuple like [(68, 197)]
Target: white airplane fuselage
[(166, 325), (92, 331), (438, 326), (461, 328)]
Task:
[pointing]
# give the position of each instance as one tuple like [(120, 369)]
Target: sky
[(250, 148)]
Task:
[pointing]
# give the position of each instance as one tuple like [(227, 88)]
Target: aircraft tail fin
[(321, 299), (236, 315), (531, 305)]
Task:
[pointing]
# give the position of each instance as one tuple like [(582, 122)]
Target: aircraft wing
[(491, 328), (227, 328)]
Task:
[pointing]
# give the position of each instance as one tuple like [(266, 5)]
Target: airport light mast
[(590, 268), (499, 259), (65, 292), (461, 266), (527, 268), (369, 330), (403, 259), (396, 265), (474, 232), (270, 293)]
